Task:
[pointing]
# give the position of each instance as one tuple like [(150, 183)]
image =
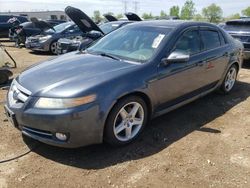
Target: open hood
[(132, 16), (85, 23), (110, 18), (41, 24)]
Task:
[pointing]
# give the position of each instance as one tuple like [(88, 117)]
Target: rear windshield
[(60, 28), (108, 27), (28, 25), (237, 26)]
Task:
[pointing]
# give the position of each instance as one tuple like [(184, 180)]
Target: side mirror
[(176, 57)]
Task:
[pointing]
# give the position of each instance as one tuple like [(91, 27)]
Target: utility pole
[(125, 5), (136, 6)]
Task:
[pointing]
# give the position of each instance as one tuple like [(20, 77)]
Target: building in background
[(44, 15)]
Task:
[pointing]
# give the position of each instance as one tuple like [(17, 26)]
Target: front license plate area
[(11, 116)]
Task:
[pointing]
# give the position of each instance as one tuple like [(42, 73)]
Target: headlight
[(56, 103), (43, 39)]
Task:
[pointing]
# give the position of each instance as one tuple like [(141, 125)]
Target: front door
[(180, 80)]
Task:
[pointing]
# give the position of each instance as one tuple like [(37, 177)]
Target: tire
[(229, 80), (4, 77), (131, 122), (53, 48)]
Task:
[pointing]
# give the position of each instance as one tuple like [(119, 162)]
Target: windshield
[(108, 27), (59, 28), (133, 44)]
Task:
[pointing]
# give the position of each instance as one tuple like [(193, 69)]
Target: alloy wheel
[(230, 78), (128, 121), (53, 48)]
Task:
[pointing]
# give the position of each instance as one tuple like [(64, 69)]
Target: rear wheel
[(230, 79), (53, 48), (126, 121)]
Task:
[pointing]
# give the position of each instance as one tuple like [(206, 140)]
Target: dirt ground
[(203, 144)]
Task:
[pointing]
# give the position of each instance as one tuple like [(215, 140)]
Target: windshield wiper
[(110, 56)]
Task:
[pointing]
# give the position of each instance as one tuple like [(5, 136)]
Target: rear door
[(215, 49)]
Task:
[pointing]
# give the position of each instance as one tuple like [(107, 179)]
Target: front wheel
[(126, 121), (230, 79), (53, 48)]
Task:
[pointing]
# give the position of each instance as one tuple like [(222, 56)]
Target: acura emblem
[(15, 94)]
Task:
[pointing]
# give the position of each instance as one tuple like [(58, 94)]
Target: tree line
[(212, 13)]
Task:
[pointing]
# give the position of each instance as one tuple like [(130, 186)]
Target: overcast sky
[(117, 6)]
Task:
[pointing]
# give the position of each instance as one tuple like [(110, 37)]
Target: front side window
[(135, 44), (189, 42), (73, 29), (210, 39)]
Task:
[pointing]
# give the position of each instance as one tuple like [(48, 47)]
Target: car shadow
[(41, 53), (158, 135), (7, 85)]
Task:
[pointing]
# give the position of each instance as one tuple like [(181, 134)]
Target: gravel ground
[(203, 144)]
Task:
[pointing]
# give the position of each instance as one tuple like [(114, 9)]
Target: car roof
[(171, 23), (119, 22), (242, 21)]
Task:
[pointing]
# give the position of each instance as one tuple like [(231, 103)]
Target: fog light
[(61, 136)]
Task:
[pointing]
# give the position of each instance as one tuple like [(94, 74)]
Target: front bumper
[(63, 48), (81, 124), (38, 46)]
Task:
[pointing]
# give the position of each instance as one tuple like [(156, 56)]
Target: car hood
[(69, 74), (85, 23), (41, 24), (110, 17), (132, 16)]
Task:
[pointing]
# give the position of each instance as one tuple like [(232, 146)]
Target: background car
[(5, 26), (93, 33), (240, 30), (111, 90), (47, 41), (33, 28)]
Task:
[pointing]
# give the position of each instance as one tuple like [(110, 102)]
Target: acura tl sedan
[(111, 90)]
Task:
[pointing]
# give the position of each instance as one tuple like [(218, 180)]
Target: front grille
[(17, 94)]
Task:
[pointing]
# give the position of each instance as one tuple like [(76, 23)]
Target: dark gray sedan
[(47, 41), (110, 91)]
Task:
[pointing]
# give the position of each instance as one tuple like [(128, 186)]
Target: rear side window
[(210, 39), (189, 42)]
